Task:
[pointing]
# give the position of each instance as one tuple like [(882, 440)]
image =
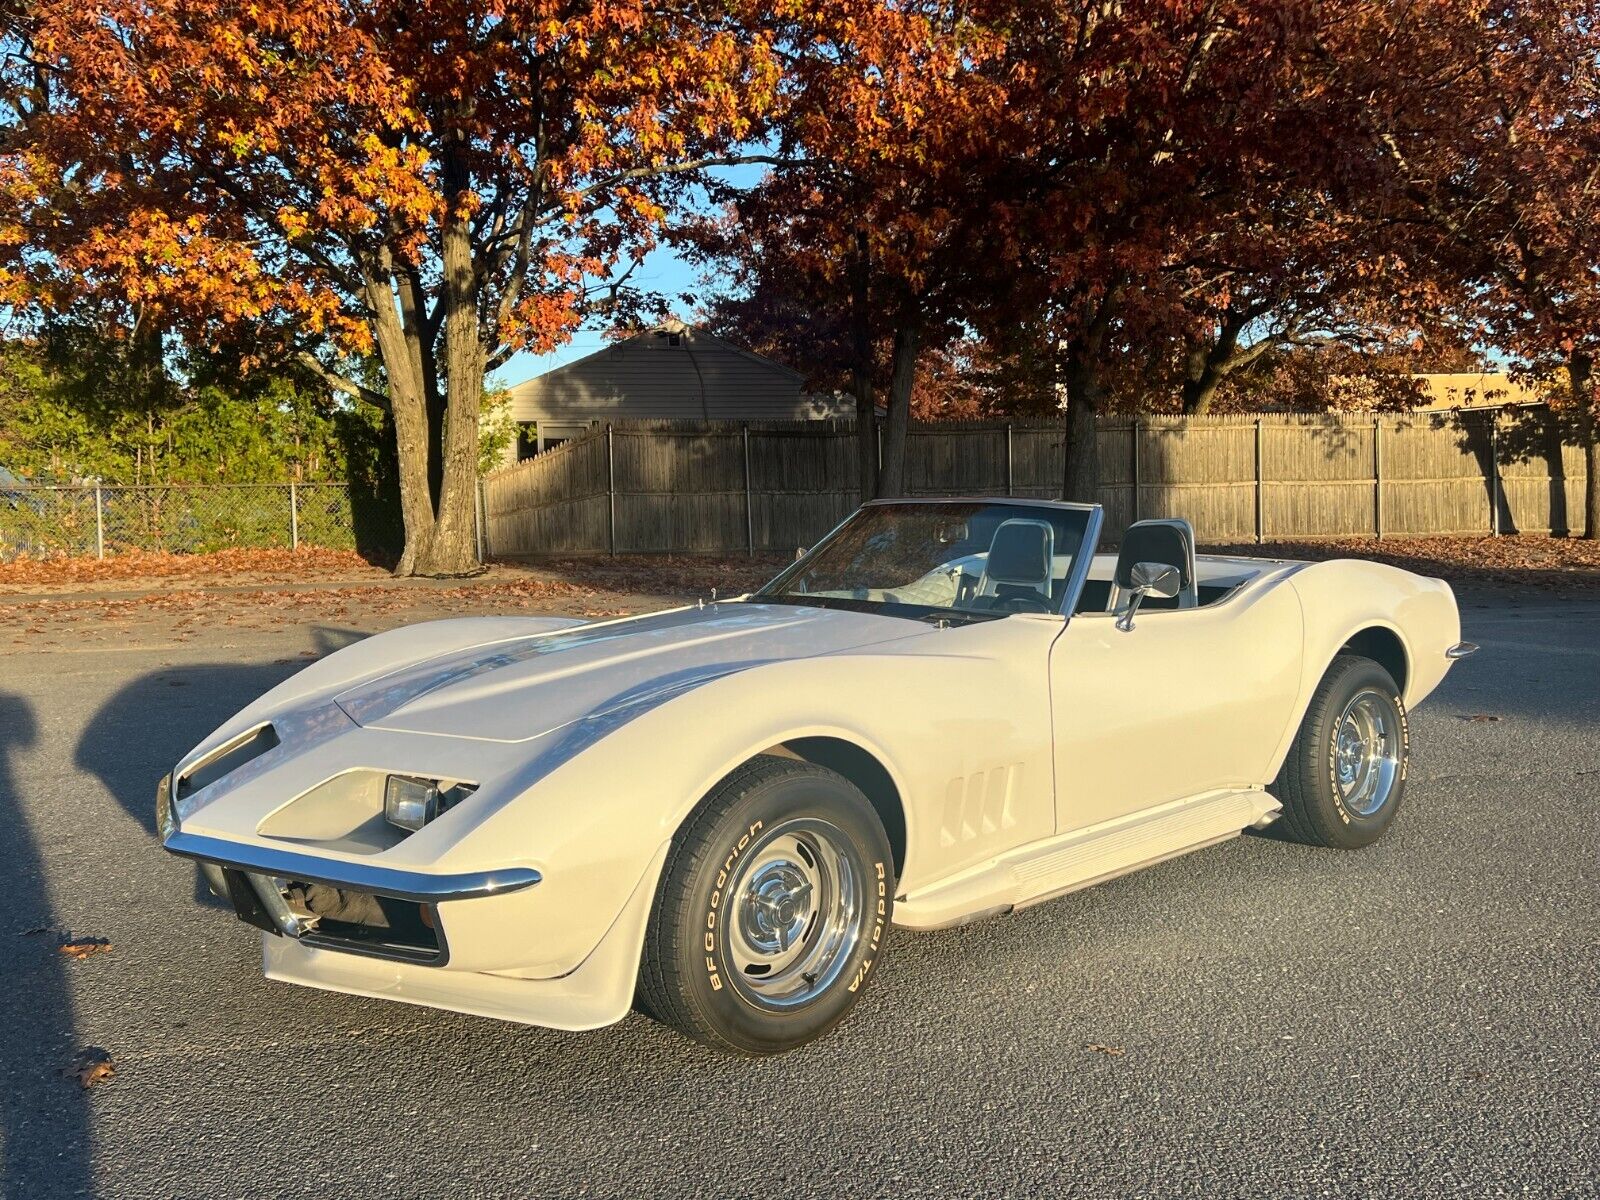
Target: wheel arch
[(862, 768), (1370, 637), (1384, 645), (846, 754)]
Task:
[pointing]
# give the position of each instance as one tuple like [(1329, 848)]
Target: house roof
[(668, 372)]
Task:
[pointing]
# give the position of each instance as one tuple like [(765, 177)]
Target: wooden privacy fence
[(721, 488)]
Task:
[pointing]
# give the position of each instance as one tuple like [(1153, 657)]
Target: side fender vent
[(979, 805)]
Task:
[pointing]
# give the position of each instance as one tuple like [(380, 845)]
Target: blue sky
[(662, 272)]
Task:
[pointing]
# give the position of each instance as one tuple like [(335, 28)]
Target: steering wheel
[(1021, 602), (1025, 602)]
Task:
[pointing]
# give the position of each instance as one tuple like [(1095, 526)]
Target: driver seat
[(1169, 542), (1018, 564)]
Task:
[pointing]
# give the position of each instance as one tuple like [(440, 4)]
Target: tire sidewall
[(1344, 826), (806, 793)]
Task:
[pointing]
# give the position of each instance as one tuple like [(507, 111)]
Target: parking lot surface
[(1255, 1019)]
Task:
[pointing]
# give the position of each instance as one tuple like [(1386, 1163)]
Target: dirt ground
[(73, 602), (60, 602)]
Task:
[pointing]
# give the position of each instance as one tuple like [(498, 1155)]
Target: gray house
[(671, 372)]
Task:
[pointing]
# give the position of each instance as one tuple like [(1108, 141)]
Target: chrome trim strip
[(1025, 501), (1462, 650), (1079, 576), (186, 770), (402, 884), (166, 815)]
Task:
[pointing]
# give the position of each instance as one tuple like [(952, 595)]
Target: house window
[(527, 440)]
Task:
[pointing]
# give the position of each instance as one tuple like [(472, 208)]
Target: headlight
[(410, 802)]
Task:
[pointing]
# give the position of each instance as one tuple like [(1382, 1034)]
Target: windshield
[(970, 559)]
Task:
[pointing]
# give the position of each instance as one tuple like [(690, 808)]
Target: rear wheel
[(1345, 775), (771, 911)]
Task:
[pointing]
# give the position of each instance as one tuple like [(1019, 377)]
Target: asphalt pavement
[(1256, 1019)]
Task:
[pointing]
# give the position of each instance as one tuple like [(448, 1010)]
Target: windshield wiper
[(927, 613), (807, 601)]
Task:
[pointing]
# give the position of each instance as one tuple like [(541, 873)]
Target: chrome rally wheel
[(1366, 752), (795, 923)]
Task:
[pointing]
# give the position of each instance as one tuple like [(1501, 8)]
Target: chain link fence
[(40, 521)]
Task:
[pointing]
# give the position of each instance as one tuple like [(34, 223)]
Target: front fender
[(589, 810)]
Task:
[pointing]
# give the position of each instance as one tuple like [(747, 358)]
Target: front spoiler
[(598, 992)]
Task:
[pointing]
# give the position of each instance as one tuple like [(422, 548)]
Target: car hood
[(518, 688)]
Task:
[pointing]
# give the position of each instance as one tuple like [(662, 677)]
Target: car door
[(1188, 701)]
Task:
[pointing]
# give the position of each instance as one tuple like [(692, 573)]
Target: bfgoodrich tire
[(771, 912), (1345, 776)]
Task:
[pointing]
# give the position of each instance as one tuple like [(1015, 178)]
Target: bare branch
[(338, 382)]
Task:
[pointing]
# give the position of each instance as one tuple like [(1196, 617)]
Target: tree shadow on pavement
[(140, 732), (45, 1125)]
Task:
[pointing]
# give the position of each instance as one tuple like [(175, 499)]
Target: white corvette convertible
[(946, 710)]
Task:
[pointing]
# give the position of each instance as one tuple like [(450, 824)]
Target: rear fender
[(1342, 597)]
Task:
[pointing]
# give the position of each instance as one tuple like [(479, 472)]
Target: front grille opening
[(339, 919), (226, 759)]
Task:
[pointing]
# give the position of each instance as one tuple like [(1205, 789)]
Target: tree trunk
[(408, 405), (1207, 366), (861, 371), (1081, 459), (436, 439), (907, 345), (453, 549), (420, 340), (410, 409), (1200, 383), (866, 436), (1580, 372)]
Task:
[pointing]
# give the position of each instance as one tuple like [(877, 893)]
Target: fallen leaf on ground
[(1112, 1051), (94, 1066), (1479, 717), (81, 948)]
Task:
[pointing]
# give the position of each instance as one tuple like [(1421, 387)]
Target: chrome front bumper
[(259, 882), (421, 887), (1461, 650)]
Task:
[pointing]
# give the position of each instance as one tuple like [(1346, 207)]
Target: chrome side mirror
[(1148, 579)]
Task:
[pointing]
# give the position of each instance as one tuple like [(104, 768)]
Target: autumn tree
[(1489, 123), (1080, 176), (1165, 188), (436, 185), (878, 223)]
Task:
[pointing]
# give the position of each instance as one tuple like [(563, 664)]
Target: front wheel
[(1345, 775), (771, 911)]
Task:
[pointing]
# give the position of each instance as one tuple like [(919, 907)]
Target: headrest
[(1020, 552), (1164, 542)]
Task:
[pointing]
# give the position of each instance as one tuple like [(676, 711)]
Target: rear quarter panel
[(1342, 597)]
